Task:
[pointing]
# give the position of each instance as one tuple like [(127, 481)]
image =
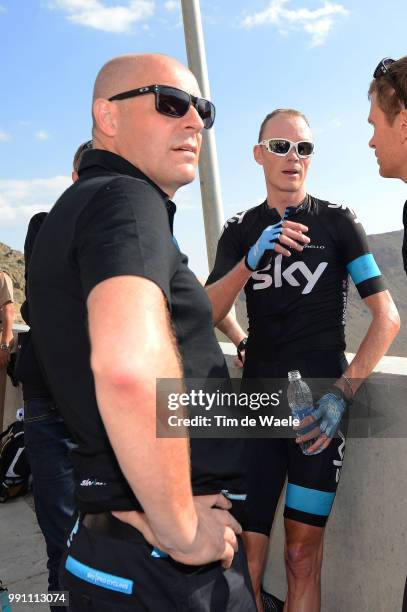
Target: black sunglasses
[(383, 69), (173, 102)]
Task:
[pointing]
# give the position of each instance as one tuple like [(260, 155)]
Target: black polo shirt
[(114, 221)]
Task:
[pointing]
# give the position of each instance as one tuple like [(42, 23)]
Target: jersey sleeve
[(124, 231), (229, 251), (6, 289), (357, 256)]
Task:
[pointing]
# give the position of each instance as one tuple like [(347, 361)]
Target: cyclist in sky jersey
[(296, 309)]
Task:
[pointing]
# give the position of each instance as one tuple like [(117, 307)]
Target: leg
[(267, 466), (311, 492), (303, 559), (48, 448), (256, 548)]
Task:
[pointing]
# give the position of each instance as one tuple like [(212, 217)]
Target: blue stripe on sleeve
[(98, 578), (362, 268), (309, 500)]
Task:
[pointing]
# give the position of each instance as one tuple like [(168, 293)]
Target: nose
[(292, 154), (371, 143), (192, 119)]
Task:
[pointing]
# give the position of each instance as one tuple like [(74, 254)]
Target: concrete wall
[(365, 561), (365, 558)]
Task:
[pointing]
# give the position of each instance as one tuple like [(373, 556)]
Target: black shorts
[(312, 480), (105, 572)]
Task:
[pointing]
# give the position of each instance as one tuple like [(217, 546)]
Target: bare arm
[(382, 331), (231, 328), (224, 291), (7, 318), (131, 346), (383, 328)]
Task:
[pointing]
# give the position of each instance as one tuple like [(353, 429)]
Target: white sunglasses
[(282, 147)]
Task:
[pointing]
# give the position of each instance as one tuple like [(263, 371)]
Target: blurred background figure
[(47, 440)]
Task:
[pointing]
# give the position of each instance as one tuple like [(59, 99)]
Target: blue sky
[(314, 55)]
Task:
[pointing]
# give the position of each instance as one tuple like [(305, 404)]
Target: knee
[(303, 560)]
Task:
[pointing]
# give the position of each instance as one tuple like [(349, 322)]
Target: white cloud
[(172, 5), (97, 15), (42, 135), (317, 23), (4, 137), (20, 199)]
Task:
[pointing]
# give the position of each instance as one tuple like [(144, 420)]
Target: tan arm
[(132, 345), (231, 328), (383, 328), (224, 291), (7, 318)]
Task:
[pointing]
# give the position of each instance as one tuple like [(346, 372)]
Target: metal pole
[(208, 162)]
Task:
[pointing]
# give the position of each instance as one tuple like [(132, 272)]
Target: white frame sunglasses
[(266, 143)]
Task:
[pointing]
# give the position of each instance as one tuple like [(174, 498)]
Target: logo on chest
[(296, 275)]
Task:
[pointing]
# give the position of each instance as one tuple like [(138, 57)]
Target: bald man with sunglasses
[(155, 531), (296, 309)]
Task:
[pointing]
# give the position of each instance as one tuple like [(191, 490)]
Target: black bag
[(14, 466)]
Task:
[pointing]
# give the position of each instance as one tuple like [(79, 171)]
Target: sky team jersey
[(298, 303)]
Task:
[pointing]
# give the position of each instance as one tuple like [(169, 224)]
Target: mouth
[(189, 148), (291, 172)]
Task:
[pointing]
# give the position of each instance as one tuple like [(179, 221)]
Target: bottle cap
[(294, 375)]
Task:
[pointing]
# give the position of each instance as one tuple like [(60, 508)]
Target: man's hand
[(327, 417), (215, 538), (238, 361), (4, 358), (271, 241)]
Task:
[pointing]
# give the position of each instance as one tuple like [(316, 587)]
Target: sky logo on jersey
[(266, 279), (341, 450)]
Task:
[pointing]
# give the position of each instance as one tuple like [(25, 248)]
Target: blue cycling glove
[(261, 253), (330, 409)]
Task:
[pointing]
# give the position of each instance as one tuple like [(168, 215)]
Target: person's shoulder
[(242, 218), (38, 218), (35, 223), (335, 211), (133, 189)]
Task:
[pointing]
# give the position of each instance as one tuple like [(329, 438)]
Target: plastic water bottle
[(300, 400)]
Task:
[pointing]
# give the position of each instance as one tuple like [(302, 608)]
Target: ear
[(258, 154), (105, 116), (403, 126)]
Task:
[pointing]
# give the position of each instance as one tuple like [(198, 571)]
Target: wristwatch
[(241, 347), (5, 348)]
